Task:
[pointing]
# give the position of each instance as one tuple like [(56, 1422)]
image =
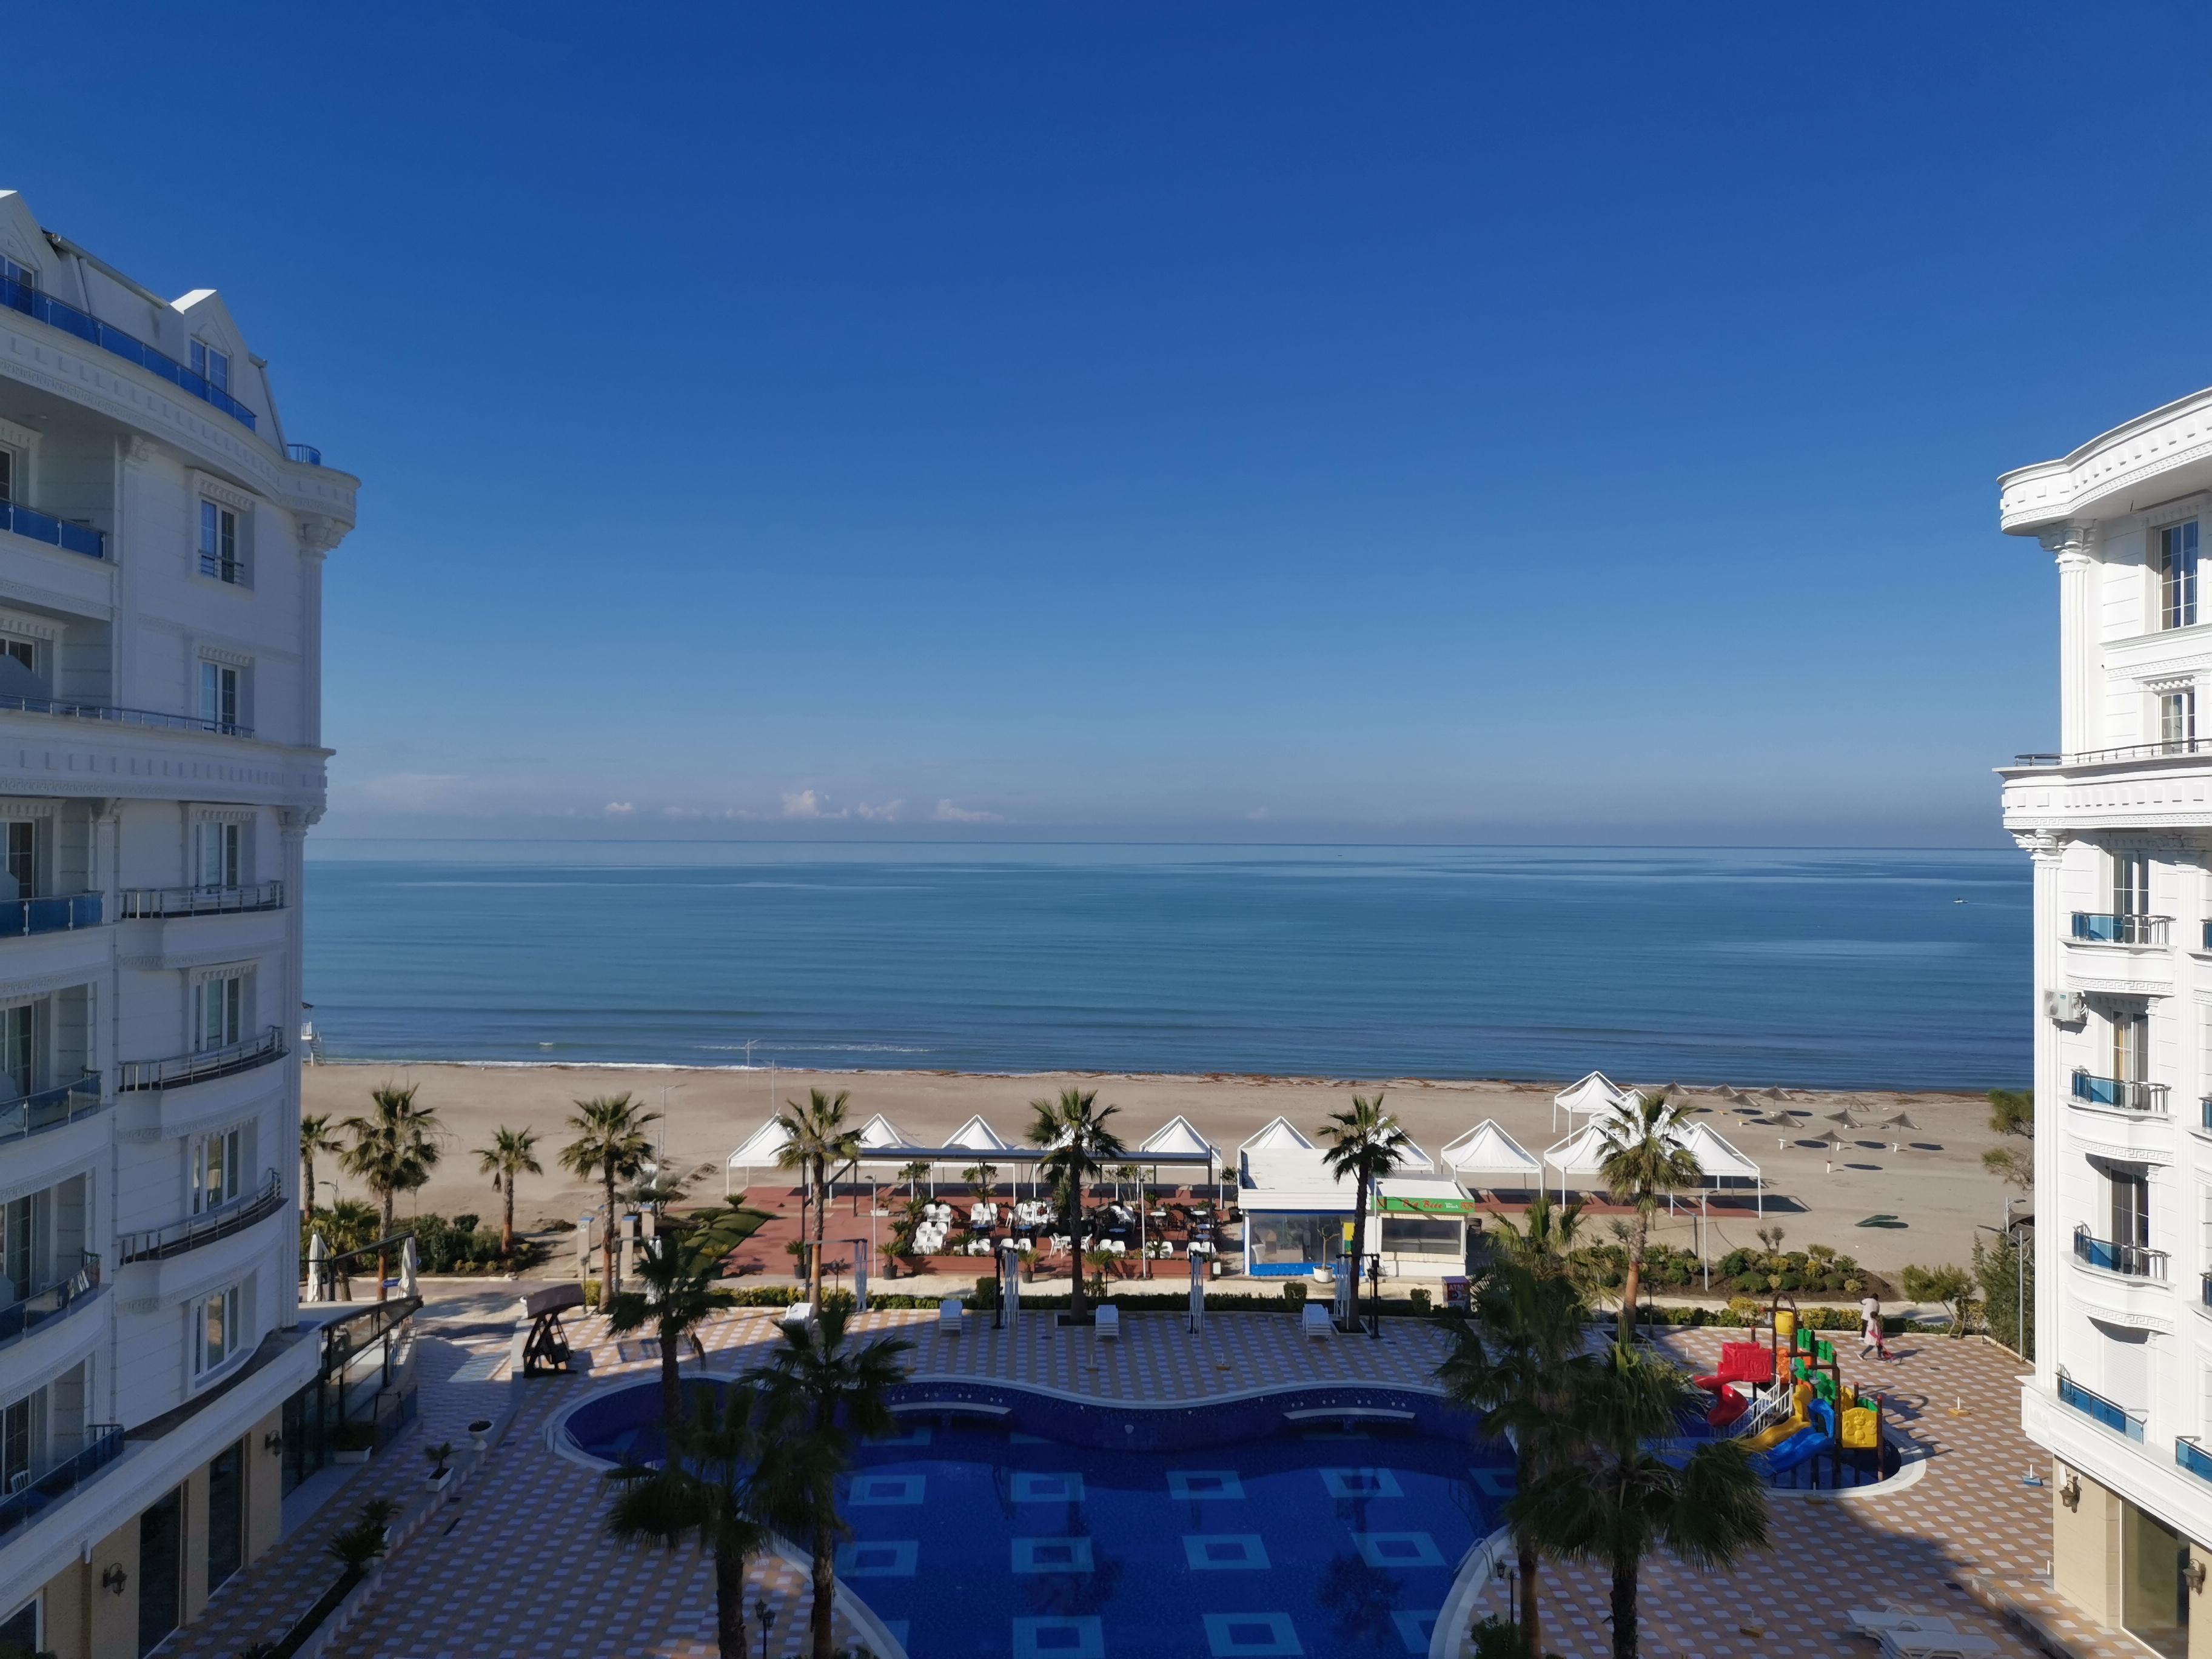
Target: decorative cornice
[(2043, 846), (2116, 987), (2071, 543), (2115, 463)]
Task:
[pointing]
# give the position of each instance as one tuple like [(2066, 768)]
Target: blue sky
[(1128, 422)]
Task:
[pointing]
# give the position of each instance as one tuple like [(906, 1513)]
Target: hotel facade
[(2118, 825), (161, 549)]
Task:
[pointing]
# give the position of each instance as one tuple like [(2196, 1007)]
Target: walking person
[(1871, 1340)]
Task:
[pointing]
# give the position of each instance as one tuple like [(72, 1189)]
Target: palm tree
[(1366, 1144), (394, 1149), (1642, 1159), (1509, 1363), (611, 1145), (914, 1175), (727, 1484), (513, 1152), (821, 1391), (981, 1179), (817, 1141), (1073, 1132), (1619, 1500), (679, 1273), (316, 1140)]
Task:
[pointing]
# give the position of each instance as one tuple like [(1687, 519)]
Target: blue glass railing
[(51, 1300), (2191, 1456), (103, 1445), (34, 525), (2120, 1091), (2114, 1256), (307, 454), (20, 917), (2100, 929), (49, 1109), (183, 1069), (101, 711), (2118, 1419), (67, 319)]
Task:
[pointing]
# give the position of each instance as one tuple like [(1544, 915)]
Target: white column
[(2053, 1232), (2079, 716), (293, 824)]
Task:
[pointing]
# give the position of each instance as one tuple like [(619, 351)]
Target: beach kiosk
[(1295, 1211), (1419, 1219)]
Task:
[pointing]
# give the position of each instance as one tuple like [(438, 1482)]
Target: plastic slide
[(1800, 1419), (1740, 1362), (1801, 1447), (1727, 1408)]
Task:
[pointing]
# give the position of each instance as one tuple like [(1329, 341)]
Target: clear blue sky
[(1454, 423)]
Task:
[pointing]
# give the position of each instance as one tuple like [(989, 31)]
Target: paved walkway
[(523, 1568)]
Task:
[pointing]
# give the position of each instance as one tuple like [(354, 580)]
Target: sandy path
[(1935, 1182)]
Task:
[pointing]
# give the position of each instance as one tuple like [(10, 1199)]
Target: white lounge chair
[(948, 1315), (1109, 1321), (1866, 1622), (798, 1312), (1315, 1321), (1935, 1644)]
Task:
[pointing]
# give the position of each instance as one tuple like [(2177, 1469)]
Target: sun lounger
[(1109, 1321), (1934, 1644), (948, 1315), (1866, 1622), (798, 1312), (1315, 1321)]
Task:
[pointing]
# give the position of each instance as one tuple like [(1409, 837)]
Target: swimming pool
[(1000, 1524)]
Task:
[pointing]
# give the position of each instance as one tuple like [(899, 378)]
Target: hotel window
[(218, 696), (219, 1005), (23, 1439), (2177, 722), (19, 1054), (20, 837), (218, 862), (215, 1330), (7, 475), (2176, 576), (211, 365), (2130, 1206), (2130, 883), (219, 544), (2130, 1046), (19, 275), (217, 1160)]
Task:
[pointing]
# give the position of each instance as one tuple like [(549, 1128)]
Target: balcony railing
[(2095, 929), (2126, 752), (20, 918), (103, 1444), (2112, 1256), (101, 711), (155, 904), (160, 1243), (67, 319), (2118, 1419), (2123, 1093), (223, 570), (52, 1300), (2191, 1456), (176, 1072), (306, 454), (49, 1109), (2205, 1288), (34, 525)]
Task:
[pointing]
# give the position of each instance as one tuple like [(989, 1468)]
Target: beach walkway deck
[(523, 1568)]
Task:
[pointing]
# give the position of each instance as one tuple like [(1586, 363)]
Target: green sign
[(1428, 1205)]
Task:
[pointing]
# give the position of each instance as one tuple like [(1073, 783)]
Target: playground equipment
[(1749, 1363)]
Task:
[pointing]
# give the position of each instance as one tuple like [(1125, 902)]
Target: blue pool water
[(980, 1537)]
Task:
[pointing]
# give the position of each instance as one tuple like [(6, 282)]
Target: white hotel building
[(2119, 827), (161, 591)]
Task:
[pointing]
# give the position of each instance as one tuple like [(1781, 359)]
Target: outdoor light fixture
[(2070, 1493), (273, 1442), (114, 1578), (2193, 1576), (766, 1614)]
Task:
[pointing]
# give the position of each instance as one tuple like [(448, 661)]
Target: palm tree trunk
[(306, 1184), (507, 1227), (1532, 1626), (672, 1384), (1075, 1237), (825, 1592), (1632, 1286), (607, 1242), (729, 1603), (821, 1220), (389, 1195), (1624, 1610)]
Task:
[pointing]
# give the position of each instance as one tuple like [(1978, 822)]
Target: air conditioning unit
[(2065, 1007)]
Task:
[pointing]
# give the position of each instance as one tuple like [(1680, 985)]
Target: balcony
[(2111, 1257), (184, 1069), (160, 1243), (67, 319), (2095, 929), (39, 1491), (101, 711), (2191, 1456), (19, 1318), (34, 525), (2133, 752), (160, 903), (306, 454), (49, 1109), (2118, 1419), (2124, 1093), (20, 918)]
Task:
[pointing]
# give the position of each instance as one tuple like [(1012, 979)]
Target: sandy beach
[(1933, 1181)]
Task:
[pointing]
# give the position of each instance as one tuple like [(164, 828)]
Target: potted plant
[(354, 1441), (479, 1434), (440, 1458), (359, 1547)]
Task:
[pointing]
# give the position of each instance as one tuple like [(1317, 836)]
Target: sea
[(1845, 968)]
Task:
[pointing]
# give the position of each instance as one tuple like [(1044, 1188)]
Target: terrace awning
[(1280, 1136), (1177, 1134), (760, 1148)]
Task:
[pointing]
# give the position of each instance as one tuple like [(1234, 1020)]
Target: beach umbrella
[(1772, 1093), (1844, 1118), (319, 1253), (1899, 1122), (409, 1286)]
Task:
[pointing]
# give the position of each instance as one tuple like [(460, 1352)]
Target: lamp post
[(766, 1615)]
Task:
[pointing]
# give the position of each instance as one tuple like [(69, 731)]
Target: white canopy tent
[(1280, 1136), (1581, 1154), (1177, 1134), (1413, 1161), (1596, 1093), (1488, 1150), (1722, 1163), (876, 1135), (758, 1152)]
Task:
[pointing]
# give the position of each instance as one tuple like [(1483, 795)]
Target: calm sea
[(1849, 969)]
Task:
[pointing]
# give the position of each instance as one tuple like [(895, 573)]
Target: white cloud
[(619, 809), (806, 804), (887, 813), (946, 812)]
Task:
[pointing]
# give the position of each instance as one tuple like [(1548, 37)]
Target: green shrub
[(1420, 1298), (1294, 1292), (985, 1298)]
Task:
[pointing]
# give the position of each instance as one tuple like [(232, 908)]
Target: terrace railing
[(49, 1109), (102, 711), (2123, 1092), (2191, 1456), (20, 918), (160, 1243), (306, 454), (182, 1069), (155, 903), (2114, 1257), (51, 1300), (2125, 752), (2116, 1418), (34, 525), (18, 296), (34, 1492), (2093, 928)]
